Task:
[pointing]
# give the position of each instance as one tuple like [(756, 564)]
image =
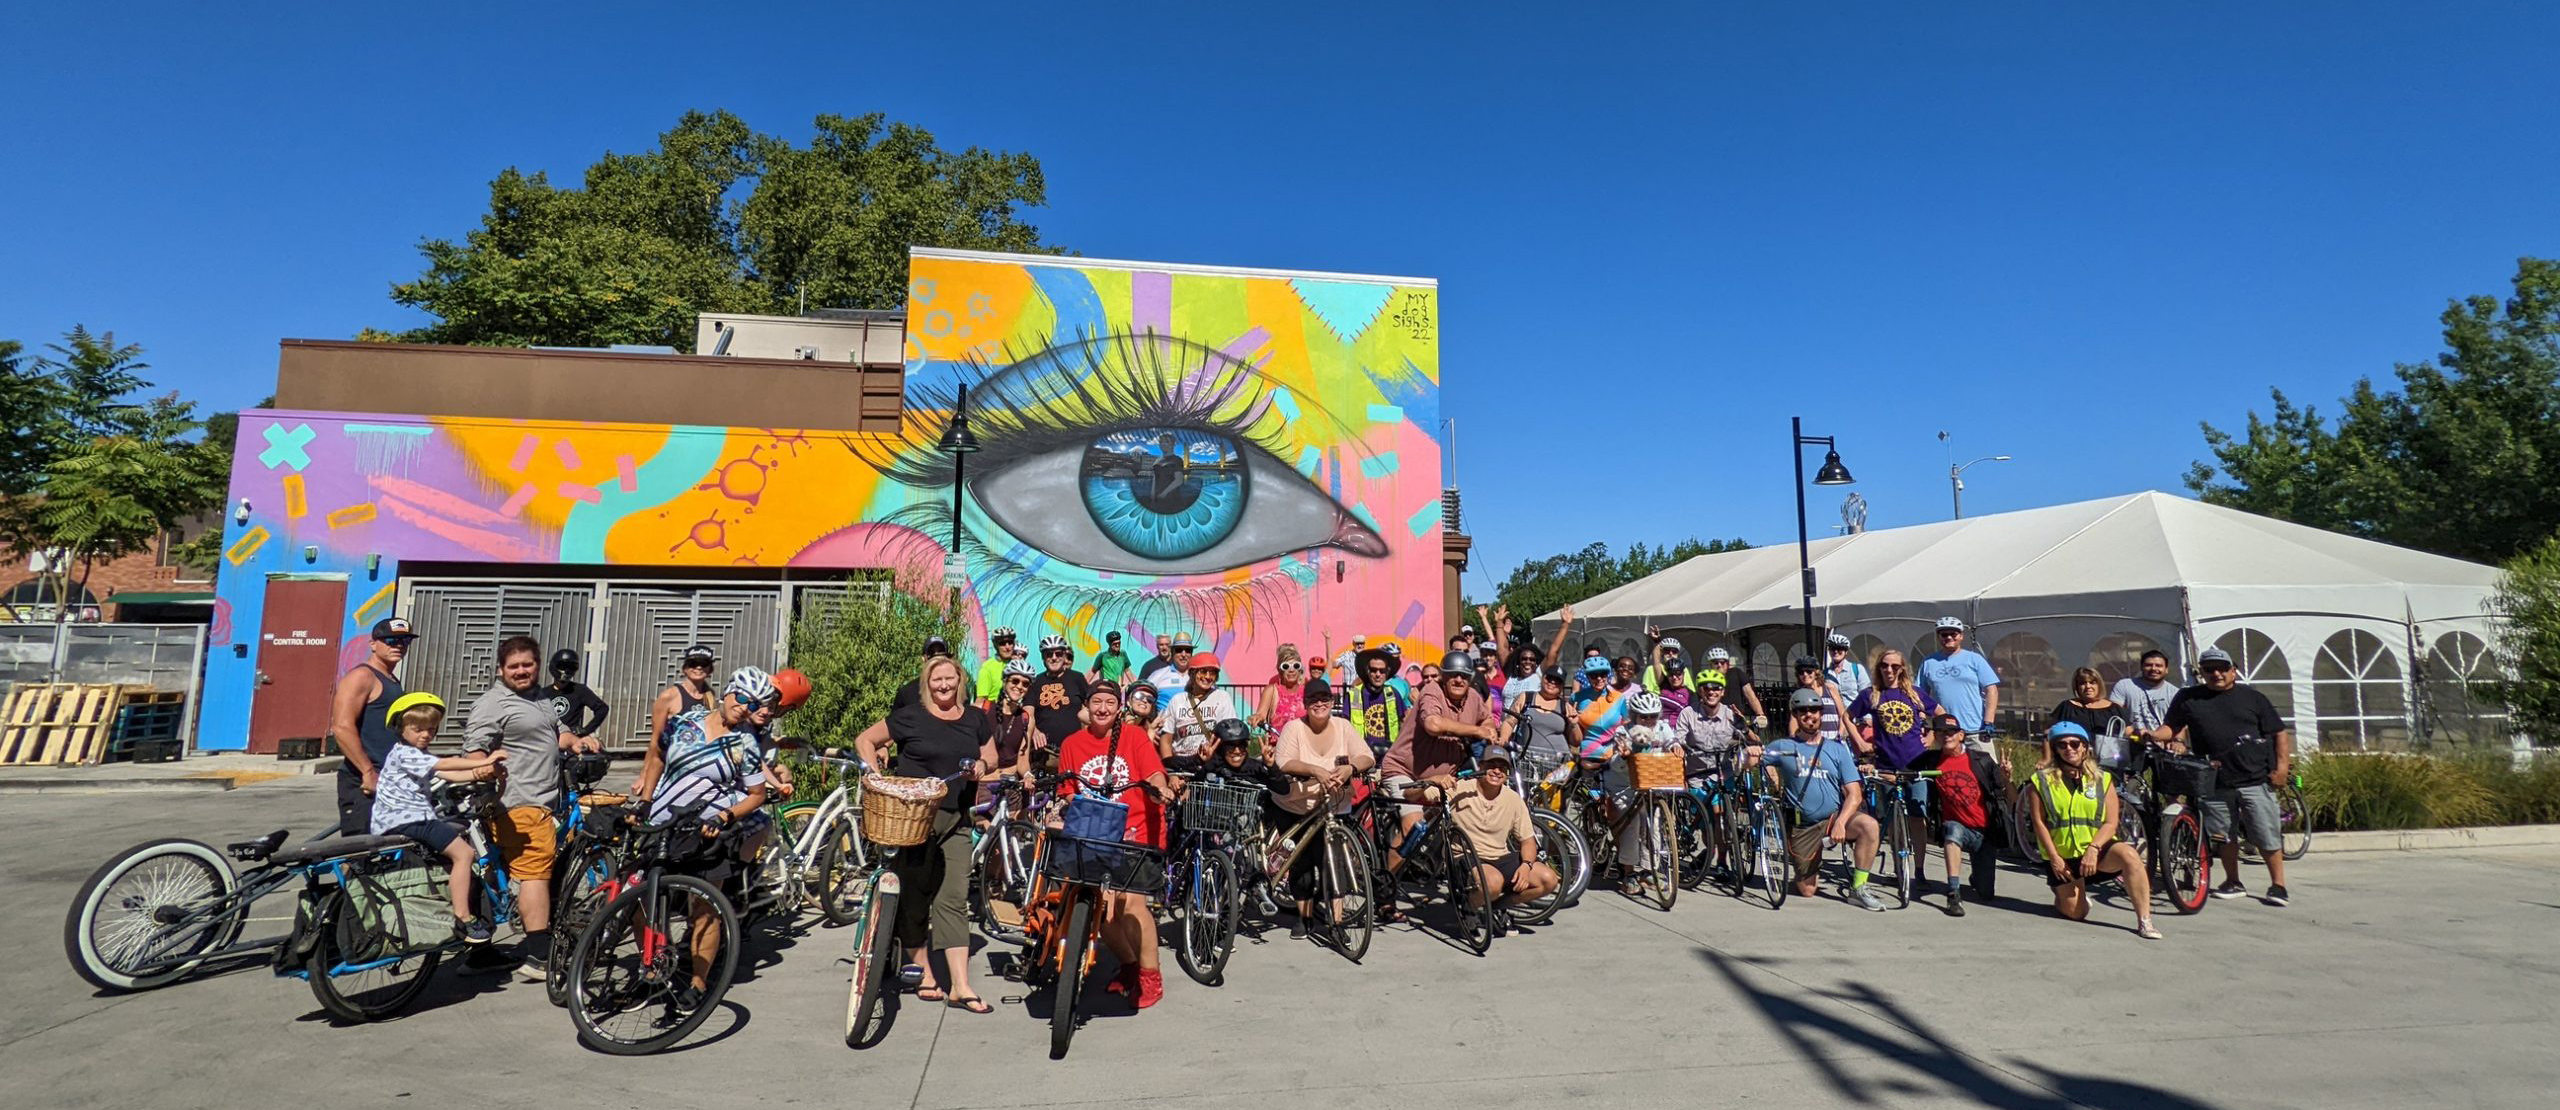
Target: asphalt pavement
[(2395, 979)]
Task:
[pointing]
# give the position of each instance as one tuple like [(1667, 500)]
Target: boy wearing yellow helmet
[(400, 806)]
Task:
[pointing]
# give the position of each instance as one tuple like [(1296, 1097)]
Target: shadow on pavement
[(1811, 1029)]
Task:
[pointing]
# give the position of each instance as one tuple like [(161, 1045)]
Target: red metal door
[(297, 659)]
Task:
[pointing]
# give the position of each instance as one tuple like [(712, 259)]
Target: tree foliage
[(2528, 648), (2462, 459), (716, 217), (1542, 586), (856, 659), (98, 470)]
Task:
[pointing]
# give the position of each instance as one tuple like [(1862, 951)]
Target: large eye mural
[(1133, 455)]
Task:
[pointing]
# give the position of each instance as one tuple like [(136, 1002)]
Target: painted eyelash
[(1053, 398)]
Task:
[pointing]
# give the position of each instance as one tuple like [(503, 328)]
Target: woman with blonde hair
[(1892, 714), (2105, 721), (939, 735)]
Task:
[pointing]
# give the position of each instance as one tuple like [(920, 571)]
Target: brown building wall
[(597, 386)]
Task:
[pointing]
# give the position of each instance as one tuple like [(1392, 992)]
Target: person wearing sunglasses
[(357, 723), (1284, 698), (2229, 722), (1056, 695), (1968, 793), (1962, 680), (690, 691), (2075, 810), (1825, 793), (1375, 705)]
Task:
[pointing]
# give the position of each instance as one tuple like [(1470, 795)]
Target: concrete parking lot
[(2395, 979)]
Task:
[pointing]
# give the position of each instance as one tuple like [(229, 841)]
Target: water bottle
[(1413, 840)]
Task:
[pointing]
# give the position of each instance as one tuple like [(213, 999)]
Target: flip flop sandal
[(971, 1003)]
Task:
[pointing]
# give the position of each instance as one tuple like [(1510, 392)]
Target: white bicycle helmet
[(1020, 668), (752, 685), (1052, 643), (1644, 703), (1719, 655), (1002, 633), (1945, 623), (1837, 639)]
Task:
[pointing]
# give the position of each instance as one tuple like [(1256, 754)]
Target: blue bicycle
[(374, 919)]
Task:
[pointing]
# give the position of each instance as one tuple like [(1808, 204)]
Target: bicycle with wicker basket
[(897, 814), (1204, 886)]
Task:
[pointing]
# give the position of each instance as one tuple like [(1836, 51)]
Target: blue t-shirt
[(1957, 679), (1815, 780)]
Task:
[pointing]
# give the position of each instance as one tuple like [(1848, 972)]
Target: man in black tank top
[(357, 725)]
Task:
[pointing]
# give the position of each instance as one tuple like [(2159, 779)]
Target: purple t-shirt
[(1902, 724), (1673, 701)]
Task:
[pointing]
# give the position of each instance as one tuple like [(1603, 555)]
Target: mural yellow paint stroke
[(247, 545), (772, 493), (297, 499), (357, 513), (380, 597), (1073, 627)]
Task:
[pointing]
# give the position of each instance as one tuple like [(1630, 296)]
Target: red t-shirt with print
[(1959, 793), (1092, 766)]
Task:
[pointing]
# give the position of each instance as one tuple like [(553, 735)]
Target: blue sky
[(2064, 232)]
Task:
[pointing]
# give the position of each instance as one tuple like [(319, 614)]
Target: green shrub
[(856, 658), (2530, 796), (2398, 791)]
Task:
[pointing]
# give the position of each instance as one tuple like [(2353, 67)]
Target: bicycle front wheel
[(1352, 890), (574, 904), (2179, 858), (1562, 849), (875, 952), (148, 917), (1897, 853), (843, 869), (1071, 954), (1697, 837), (1769, 852), (352, 980), (652, 965), (1207, 918), (2295, 819), (1661, 847)]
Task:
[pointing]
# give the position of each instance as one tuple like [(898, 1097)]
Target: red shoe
[(1150, 988), (1124, 982)]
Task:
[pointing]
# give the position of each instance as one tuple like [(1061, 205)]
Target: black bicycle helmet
[(585, 768), (1458, 663), (1229, 731), (564, 663)]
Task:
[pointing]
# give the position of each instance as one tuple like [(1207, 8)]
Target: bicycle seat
[(340, 847), (252, 851)]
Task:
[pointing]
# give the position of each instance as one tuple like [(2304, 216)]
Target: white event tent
[(2359, 643)]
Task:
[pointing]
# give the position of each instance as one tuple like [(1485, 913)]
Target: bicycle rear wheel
[(1071, 952), (632, 991), (1660, 839), (2179, 859), (148, 917), (379, 986), (1897, 852), (1697, 837), (2022, 824), (1733, 839), (1769, 851), (1561, 848), (1206, 918), (875, 952)]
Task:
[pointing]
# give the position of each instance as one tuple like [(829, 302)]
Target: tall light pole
[(1955, 480), (1831, 474), (960, 443)]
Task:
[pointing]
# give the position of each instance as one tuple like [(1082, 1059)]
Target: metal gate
[(460, 625), (646, 629)]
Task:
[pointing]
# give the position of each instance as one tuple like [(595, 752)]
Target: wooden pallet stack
[(60, 722)]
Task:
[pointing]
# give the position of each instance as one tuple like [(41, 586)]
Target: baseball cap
[(1112, 637), (394, 628), (936, 645), (2212, 656), (1493, 754), (701, 651), (1808, 663), (1945, 722), (1316, 689)]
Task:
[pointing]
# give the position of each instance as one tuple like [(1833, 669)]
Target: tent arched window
[(2357, 693), (2262, 665), (2458, 710), (2118, 656), (2031, 676), (1863, 648), (1768, 666)]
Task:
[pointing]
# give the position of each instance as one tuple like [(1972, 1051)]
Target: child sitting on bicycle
[(401, 808)]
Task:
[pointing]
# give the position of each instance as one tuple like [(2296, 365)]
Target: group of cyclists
[(1462, 740)]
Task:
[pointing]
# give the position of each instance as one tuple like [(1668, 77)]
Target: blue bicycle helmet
[(1595, 665)]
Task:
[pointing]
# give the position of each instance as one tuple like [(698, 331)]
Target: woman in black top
[(2089, 708), (939, 736)]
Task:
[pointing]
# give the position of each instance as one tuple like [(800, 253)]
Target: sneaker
[(2146, 930), (1865, 898), (533, 971), (1150, 988), (2276, 895), (1955, 901), (1297, 928), (478, 930), (2232, 889), (684, 999)]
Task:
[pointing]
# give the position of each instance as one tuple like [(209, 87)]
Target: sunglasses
[(1054, 652), (1293, 666), (401, 642), (1812, 712), (2214, 668), (691, 665), (2070, 743), (1946, 632)]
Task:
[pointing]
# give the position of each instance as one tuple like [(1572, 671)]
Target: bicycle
[(1650, 811), (1002, 851), (588, 840), (633, 969), (1065, 914), (2160, 793), (874, 925), (2293, 816), (815, 845), (1203, 893), (1432, 852), (1759, 827), (1890, 800), (157, 912), (1346, 871), (1560, 842)]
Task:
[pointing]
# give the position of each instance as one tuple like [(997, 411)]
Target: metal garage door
[(646, 629), (460, 624)]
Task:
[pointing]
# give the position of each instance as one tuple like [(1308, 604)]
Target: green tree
[(716, 218), (856, 658), (203, 551), (1542, 586), (28, 404), (2528, 648), (2463, 459)]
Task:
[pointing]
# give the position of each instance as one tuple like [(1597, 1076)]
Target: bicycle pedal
[(1009, 1000)]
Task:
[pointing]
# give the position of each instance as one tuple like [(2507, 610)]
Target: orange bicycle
[(1062, 914)]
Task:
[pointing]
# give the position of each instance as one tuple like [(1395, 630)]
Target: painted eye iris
[(1164, 493)]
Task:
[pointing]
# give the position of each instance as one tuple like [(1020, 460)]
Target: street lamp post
[(1955, 480), (1831, 474), (960, 443)]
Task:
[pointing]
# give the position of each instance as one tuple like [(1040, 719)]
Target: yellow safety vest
[(2073, 815)]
